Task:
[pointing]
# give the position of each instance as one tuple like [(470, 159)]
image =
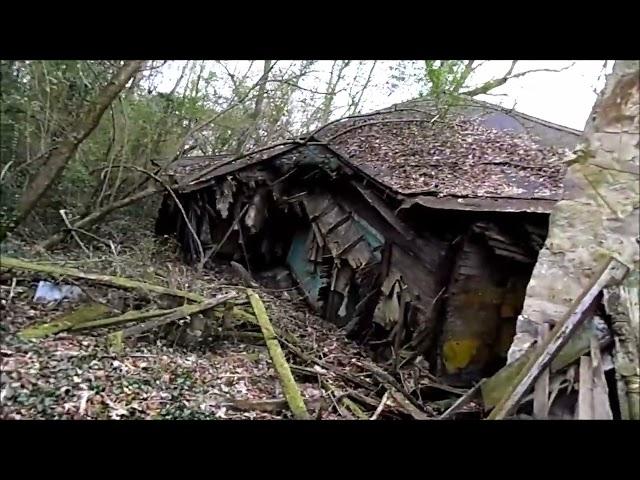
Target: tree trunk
[(257, 109), (332, 90), (60, 155), (598, 216)]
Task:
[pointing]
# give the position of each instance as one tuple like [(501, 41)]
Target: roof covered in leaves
[(481, 150), (186, 166), (413, 152)]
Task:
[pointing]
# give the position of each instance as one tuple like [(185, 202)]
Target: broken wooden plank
[(601, 406), (289, 386), (407, 406), (66, 321), (493, 389), (584, 409), (612, 272), (541, 389), (215, 250), (386, 212)]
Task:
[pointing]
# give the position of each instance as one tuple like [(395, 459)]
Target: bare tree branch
[(175, 198), (217, 115), (355, 107), (58, 158), (293, 84), (498, 82)]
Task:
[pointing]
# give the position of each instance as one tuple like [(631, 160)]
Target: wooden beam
[(612, 273), (541, 390), (289, 385)]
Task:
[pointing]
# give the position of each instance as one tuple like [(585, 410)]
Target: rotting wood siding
[(485, 296), (402, 288)]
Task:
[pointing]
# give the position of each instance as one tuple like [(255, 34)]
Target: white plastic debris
[(51, 292)]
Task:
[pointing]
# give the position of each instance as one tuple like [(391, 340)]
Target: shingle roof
[(410, 153), (502, 118), (189, 165)]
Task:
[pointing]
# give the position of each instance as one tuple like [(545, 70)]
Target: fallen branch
[(121, 282), (98, 215), (164, 185), (291, 343), (73, 232), (387, 379), (179, 313), (127, 317), (108, 243), (345, 401), (363, 399), (612, 272), (14, 280), (462, 401), (407, 406), (353, 408), (383, 402), (289, 386)]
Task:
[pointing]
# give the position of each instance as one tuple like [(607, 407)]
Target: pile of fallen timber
[(567, 367), (582, 366), (301, 353)]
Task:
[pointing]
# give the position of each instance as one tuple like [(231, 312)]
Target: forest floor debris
[(74, 374)]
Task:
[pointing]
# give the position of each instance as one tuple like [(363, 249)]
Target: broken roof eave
[(478, 204), (199, 181), (484, 204)]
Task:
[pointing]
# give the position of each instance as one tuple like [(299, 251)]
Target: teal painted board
[(302, 268), (371, 235)]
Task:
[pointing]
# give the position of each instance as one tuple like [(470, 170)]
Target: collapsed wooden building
[(416, 236)]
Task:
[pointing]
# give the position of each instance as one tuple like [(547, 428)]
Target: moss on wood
[(289, 386), (126, 317), (79, 316), (121, 282)]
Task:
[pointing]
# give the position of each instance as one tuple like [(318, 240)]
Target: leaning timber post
[(597, 218)]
